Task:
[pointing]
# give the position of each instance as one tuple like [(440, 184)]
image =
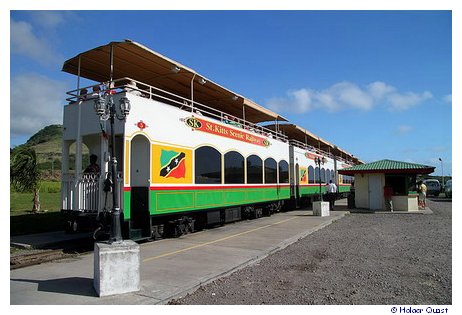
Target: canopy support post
[(112, 63), (192, 92), (78, 149)]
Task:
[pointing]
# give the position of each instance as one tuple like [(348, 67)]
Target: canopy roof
[(304, 136), (388, 166), (133, 60)]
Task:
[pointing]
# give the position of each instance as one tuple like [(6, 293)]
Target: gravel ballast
[(366, 259)]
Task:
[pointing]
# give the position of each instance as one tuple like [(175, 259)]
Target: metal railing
[(128, 85), (85, 193), (311, 148)]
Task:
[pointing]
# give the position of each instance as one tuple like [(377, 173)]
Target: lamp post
[(106, 109), (442, 172), (318, 161)]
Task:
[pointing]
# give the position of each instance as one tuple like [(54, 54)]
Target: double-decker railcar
[(190, 153)]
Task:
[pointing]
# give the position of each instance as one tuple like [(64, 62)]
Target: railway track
[(24, 258)]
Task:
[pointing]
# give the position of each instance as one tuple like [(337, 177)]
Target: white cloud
[(49, 19), (447, 98), (26, 43), (380, 89), (399, 102), (36, 101), (403, 129), (347, 95)]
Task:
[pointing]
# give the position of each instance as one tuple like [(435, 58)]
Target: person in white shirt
[(331, 194)]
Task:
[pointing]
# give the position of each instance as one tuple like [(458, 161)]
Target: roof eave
[(388, 171)]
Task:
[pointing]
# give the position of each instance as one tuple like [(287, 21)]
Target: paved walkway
[(172, 267)]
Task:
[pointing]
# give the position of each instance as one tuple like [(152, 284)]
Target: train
[(190, 153)]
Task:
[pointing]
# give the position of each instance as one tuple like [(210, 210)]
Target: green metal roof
[(388, 166)]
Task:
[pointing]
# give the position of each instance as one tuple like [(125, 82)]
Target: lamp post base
[(116, 268), (321, 208)]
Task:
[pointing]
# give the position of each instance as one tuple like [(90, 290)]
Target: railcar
[(190, 153)]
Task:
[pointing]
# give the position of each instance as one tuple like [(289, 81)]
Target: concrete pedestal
[(321, 208), (116, 268)]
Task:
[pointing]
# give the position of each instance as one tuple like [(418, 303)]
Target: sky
[(378, 84)]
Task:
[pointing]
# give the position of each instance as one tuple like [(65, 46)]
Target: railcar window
[(327, 175), (271, 176), (234, 168), (310, 175), (316, 175), (283, 172), (323, 175), (254, 170), (207, 165)]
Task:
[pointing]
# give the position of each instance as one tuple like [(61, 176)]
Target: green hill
[(47, 143)]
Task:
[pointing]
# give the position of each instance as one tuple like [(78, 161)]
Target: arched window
[(283, 172), (323, 175), (271, 176), (310, 175), (234, 168), (316, 175), (328, 175), (254, 170), (207, 163)]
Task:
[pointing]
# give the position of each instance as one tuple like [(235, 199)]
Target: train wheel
[(72, 226)]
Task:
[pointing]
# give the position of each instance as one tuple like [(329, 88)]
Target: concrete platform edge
[(251, 261)]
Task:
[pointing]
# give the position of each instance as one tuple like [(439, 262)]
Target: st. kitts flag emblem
[(172, 164), (303, 175)]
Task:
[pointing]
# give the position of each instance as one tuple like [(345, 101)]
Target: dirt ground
[(365, 259)]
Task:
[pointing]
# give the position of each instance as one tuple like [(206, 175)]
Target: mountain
[(47, 143)]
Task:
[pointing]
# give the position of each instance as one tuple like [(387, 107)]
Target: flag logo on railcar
[(303, 175), (172, 164)]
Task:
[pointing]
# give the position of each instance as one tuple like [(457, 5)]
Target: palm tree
[(24, 173)]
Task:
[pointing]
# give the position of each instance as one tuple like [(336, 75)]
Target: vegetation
[(25, 175), (22, 221), (45, 149)]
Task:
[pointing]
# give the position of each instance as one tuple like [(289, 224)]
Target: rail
[(311, 148), (128, 85)]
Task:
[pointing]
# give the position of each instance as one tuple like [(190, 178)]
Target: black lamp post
[(106, 109), (318, 161), (442, 172)]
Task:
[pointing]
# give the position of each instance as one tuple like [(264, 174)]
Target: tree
[(24, 173)]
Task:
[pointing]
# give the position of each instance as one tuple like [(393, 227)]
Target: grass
[(22, 221)]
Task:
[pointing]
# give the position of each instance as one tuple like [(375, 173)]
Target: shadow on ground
[(72, 286)]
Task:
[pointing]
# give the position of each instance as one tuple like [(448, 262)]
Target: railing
[(127, 85), (310, 148), (67, 191), (85, 194)]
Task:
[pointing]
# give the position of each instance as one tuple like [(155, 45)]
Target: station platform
[(170, 268)]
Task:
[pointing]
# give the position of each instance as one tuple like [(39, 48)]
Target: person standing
[(93, 167), (422, 189), (331, 194), (387, 194)]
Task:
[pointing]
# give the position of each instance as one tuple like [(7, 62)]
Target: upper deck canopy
[(133, 60), (306, 137)]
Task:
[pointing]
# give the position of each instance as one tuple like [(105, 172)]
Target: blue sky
[(376, 83)]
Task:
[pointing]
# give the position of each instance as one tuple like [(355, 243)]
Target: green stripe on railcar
[(172, 201), (344, 188)]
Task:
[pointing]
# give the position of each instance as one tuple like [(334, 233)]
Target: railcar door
[(140, 162), (297, 184)]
